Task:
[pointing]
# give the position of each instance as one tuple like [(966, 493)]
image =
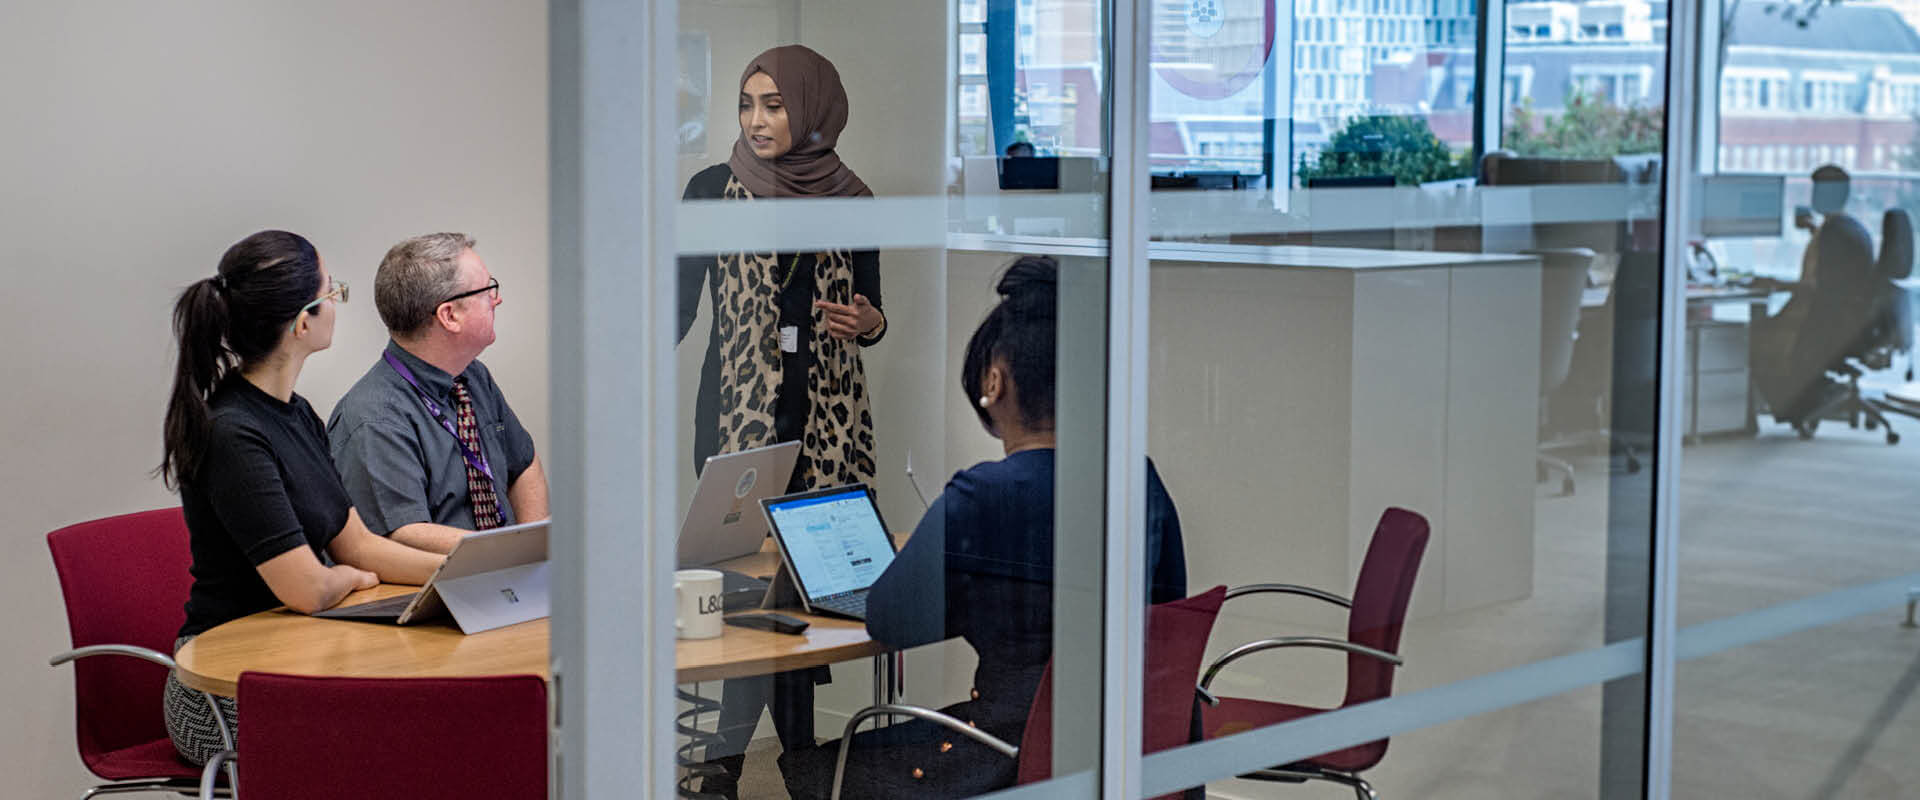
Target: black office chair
[(1858, 322), (1896, 264)]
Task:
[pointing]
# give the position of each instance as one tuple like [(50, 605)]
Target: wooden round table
[(288, 642)]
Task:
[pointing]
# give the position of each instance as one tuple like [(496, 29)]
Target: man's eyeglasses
[(492, 287), (336, 290)]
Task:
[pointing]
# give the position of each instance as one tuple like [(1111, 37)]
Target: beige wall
[(138, 141)]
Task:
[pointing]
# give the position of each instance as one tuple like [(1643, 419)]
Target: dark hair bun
[(1031, 282)]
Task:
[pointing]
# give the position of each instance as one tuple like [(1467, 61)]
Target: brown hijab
[(816, 114)]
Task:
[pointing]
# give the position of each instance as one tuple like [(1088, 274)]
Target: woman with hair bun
[(979, 566), (269, 522)]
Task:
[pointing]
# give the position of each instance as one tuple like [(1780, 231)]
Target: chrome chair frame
[(917, 712), (208, 779), (1297, 773), (228, 758)]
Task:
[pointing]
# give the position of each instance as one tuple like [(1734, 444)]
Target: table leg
[(887, 682), (687, 724)]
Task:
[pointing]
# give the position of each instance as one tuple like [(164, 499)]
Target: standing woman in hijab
[(783, 354)]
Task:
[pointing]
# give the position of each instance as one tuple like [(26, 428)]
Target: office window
[(1615, 89), (973, 102), (973, 54)]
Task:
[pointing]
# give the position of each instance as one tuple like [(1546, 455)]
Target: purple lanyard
[(474, 457)]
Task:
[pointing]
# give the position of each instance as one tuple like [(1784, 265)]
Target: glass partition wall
[(1795, 521), (875, 311), (1403, 384), (1432, 333)]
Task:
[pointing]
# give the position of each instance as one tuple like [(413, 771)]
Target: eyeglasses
[(493, 286), (336, 291)]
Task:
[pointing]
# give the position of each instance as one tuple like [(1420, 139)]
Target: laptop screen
[(835, 540)]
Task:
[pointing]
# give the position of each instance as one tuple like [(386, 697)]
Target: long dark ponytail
[(224, 322), (1021, 330)]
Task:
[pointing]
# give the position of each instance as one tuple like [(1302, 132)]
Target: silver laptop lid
[(478, 552), (724, 520)]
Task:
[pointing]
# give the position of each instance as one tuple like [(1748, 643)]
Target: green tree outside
[(1406, 148), (1590, 127), (1403, 147)]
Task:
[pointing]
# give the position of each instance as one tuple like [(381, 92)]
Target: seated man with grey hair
[(426, 444)]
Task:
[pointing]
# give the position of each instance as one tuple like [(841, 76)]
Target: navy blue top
[(980, 566)]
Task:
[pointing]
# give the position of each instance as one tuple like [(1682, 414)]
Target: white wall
[(140, 140)]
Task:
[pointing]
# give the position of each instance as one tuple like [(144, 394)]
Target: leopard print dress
[(837, 447)]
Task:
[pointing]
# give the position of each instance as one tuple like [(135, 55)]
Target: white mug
[(698, 613)]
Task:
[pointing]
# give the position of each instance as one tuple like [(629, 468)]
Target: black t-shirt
[(265, 486)]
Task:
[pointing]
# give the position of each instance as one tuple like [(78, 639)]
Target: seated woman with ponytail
[(979, 566), (270, 523)]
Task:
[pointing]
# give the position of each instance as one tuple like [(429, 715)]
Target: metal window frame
[(1127, 371), (1490, 75), (611, 141), (1681, 163)]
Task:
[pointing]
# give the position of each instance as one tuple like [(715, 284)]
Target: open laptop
[(491, 579), (724, 520), (833, 546)]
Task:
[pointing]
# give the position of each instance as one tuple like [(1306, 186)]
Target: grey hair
[(415, 277)]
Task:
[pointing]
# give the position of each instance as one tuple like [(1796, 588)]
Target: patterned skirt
[(190, 720)]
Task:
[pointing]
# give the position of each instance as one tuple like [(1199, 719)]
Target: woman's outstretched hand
[(848, 321)]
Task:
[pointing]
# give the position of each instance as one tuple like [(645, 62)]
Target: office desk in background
[(1718, 396), (292, 643)]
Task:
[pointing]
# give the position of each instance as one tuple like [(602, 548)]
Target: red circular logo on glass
[(1204, 56)]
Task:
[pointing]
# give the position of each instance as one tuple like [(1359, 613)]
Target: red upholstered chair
[(1177, 634), (1378, 608), (399, 738), (125, 582)]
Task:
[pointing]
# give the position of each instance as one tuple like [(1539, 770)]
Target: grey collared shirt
[(400, 466)]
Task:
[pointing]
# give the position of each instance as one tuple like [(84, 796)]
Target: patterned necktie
[(486, 506)]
